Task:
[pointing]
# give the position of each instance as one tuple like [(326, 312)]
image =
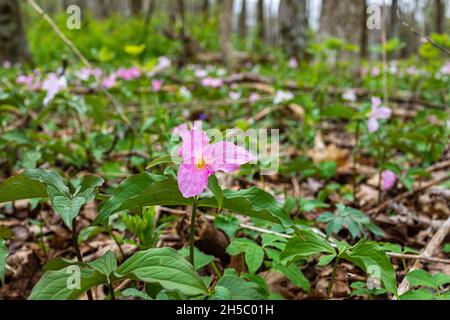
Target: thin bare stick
[(421, 36), (55, 28), (423, 257), (429, 250), (82, 58)]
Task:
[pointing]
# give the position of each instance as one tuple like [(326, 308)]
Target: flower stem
[(333, 276), (192, 232), (78, 252)]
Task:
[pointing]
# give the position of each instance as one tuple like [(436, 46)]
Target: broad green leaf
[(370, 257), (142, 190), (293, 273), (200, 258), (135, 293), (106, 264), (67, 208), (239, 288), (160, 160), (166, 267), (215, 188), (305, 245), (252, 202), (326, 259), (3, 255), (311, 204), (419, 294), (21, 187), (62, 284), (220, 293), (254, 254), (421, 278)]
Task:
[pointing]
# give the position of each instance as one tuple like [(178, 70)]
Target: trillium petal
[(388, 179), (191, 180), (194, 144), (226, 156), (382, 113), (372, 125)]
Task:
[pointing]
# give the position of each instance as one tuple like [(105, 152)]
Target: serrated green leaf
[(106, 264)]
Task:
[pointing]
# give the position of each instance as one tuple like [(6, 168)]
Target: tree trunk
[(101, 9), (342, 19), (228, 57), (243, 21), (364, 34), (204, 8), (13, 41), (261, 21), (440, 16), (136, 7), (293, 19)]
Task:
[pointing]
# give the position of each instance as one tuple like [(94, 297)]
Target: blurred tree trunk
[(440, 16), (393, 22), (261, 20), (243, 20), (204, 8), (13, 41), (181, 13), (226, 45), (101, 9), (364, 32), (136, 7), (293, 19), (342, 19)]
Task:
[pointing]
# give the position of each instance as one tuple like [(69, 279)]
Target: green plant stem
[(192, 232), (111, 291), (78, 252), (333, 276), (355, 151), (216, 270)]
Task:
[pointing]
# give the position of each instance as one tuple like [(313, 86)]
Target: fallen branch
[(425, 256), (429, 250)]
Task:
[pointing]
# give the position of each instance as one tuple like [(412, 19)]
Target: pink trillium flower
[(388, 179), (200, 73), (212, 82), (235, 95), (52, 85), (7, 64), (253, 97), (85, 73), (200, 159), (293, 64), (109, 81), (29, 81), (375, 72), (128, 74), (157, 85), (378, 112), (445, 70), (411, 71), (349, 95), (282, 96)]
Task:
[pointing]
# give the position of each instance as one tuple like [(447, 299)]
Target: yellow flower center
[(201, 163)]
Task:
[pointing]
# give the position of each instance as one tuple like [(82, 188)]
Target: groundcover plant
[(224, 150)]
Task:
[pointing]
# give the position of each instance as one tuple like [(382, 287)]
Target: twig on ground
[(429, 250)]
